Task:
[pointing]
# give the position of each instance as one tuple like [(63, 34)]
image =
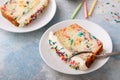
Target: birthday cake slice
[(69, 40), (22, 12)]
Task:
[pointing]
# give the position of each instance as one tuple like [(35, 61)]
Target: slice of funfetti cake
[(23, 12), (69, 40)]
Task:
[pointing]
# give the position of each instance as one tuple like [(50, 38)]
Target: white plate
[(41, 21), (52, 59)]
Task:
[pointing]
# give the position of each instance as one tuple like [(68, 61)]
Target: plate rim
[(40, 52), (34, 29)]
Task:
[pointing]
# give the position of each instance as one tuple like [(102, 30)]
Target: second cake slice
[(23, 12)]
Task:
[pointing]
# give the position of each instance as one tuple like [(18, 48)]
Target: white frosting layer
[(82, 65)]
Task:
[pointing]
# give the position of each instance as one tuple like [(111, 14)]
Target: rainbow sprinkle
[(112, 15)]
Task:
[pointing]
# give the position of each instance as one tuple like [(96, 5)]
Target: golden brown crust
[(9, 18), (99, 50), (92, 58)]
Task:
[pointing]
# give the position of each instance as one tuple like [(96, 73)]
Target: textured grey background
[(19, 53)]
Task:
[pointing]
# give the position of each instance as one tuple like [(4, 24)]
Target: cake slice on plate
[(69, 40), (22, 12)]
